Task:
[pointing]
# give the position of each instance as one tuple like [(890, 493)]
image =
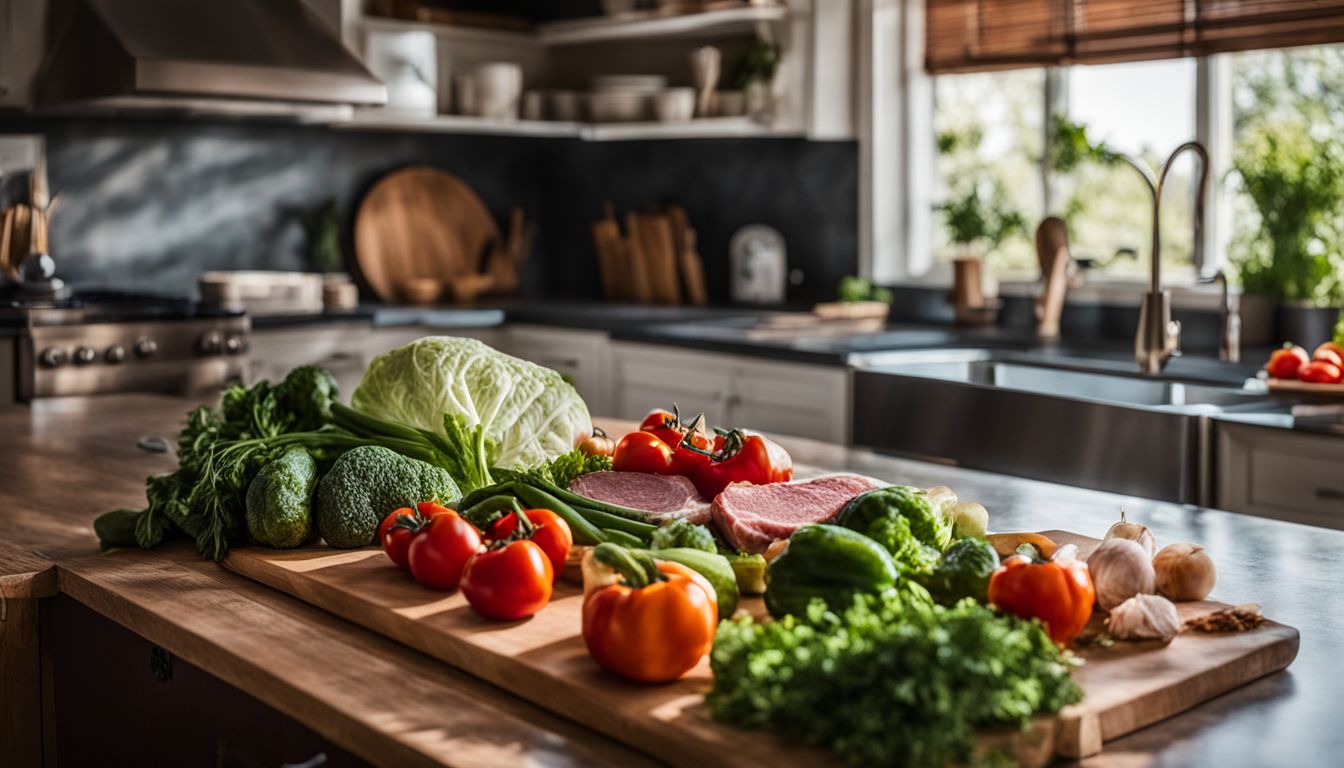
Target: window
[(988, 185), (1144, 110)]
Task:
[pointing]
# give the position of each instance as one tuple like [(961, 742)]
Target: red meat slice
[(752, 516), (664, 497)]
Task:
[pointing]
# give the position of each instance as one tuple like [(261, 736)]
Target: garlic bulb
[(1184, 572), (1120, 570), (1144, 617), (1134, 532)]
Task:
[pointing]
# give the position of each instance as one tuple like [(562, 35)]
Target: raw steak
[(752, 516), (664, 497)]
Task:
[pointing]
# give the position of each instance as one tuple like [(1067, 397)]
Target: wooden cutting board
[(420, 222), (1295, 387), (544, 660)]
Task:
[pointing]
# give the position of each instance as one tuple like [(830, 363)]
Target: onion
[(1120, 570), (1184, 572), (1136, 532)]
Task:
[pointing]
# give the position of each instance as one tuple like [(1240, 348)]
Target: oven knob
[(235, 344), (52, 357), (115, 354), (146, 347), (85, 355), (211, 343)]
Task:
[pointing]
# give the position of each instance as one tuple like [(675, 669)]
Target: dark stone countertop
[(1292, 571)]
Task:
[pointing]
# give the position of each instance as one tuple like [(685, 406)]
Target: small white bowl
[(617, 107), (674, 105)]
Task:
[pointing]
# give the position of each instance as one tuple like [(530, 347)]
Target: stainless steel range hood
[(266, 58)]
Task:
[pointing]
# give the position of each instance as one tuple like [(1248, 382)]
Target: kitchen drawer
[(1281, 474), (648, 377)]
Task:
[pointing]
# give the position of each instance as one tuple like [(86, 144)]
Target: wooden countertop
[(63, 463)]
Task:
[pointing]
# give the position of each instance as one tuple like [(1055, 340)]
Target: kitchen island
[(65, 462)]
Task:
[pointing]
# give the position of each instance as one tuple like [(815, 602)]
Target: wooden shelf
[(386, 120), (653, 25), (706, 128), (710, 128), (448, 31)]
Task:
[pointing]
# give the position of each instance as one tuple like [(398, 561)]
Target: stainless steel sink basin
[(1050, 419)]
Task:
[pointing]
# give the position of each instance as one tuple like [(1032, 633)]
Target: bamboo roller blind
[(973, 35)]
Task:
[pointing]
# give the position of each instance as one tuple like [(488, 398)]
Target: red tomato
[(441, 549), (1285, 362), (642, 452), (1326, 354), (396, 539), (550, 532), (510, 582), (668, 427), (1320, 372), (745, 458)]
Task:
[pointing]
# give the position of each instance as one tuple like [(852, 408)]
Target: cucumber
[(714, 567)]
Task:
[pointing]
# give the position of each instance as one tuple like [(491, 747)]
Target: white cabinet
[(786, 398), (581, 356), (1281, 474), (345, 350)]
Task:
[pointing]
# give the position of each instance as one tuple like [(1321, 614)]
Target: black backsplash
[(151, 204)]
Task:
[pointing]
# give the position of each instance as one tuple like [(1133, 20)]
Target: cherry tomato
[(642, 452), (508, 582), (441, 549), (549, 531), (1320, 372), (396, 539), (1285, 362)]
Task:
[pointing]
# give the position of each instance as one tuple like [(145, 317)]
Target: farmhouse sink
[(1055, 419)]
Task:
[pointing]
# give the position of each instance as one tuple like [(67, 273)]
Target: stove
[(97, 342)]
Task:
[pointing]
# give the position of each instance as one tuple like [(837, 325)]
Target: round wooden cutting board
[(420, 222)]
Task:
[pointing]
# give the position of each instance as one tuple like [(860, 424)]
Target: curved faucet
[(1159, 337)]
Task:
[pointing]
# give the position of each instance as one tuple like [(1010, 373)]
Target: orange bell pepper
[(646, 621), (1058, 591)]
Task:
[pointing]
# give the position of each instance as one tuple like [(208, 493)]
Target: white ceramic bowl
[(617, 107), (674, 105)]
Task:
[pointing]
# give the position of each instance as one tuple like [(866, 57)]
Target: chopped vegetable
[(888, 680), (750, 572), (680, 533), (645, 621)]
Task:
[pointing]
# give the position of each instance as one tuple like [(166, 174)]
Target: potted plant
[(979, 218), (1295, 180), (754, 76)]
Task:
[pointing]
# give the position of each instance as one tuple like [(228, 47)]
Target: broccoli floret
[(278, 500), (307, 394), (749, 569), (368, 482), (680, 534)]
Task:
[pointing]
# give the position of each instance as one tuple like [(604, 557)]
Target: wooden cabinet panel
[(1280, 474), (787, 398)]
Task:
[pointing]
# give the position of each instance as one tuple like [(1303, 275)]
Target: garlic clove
[(1136, 532), (1144, 617)]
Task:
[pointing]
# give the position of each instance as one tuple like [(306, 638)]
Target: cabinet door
[(648, 377), (791, 399), (275, 352), (1281, 474), (581, 356)]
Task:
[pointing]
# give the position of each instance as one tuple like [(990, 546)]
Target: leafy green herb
[(560, 471), (892, 680), (853, 288)]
